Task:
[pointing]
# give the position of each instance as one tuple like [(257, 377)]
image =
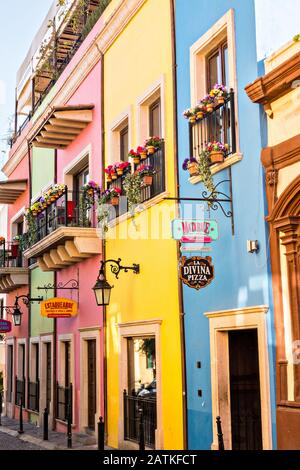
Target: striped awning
[(62, 126), (10, 190)]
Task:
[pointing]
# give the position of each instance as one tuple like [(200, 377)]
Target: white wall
[(277, 22)]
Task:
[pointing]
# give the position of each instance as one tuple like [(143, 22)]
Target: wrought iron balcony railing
[(133, 407), (64, 402), (68, 210), (34, 395), (218, 126), (20, 391), (157, 162), (11, 256)]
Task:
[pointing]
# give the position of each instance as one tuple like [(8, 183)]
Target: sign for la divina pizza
[(196, 272)]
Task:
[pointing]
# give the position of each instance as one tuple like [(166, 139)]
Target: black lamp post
[(102, 288), (15, 309)]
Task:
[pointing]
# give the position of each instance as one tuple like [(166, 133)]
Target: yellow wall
[(140, 56)]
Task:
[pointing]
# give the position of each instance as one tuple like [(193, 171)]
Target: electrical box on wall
[(252, 246)]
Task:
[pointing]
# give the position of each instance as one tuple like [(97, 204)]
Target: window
[(141, 366), (1, 308), (124, 149), (80, 179), (35, 370), (217, 66), (21, 361), (155, 119), (67, 363)]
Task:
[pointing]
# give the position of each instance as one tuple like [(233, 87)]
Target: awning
[(62, 126), (10, 190)]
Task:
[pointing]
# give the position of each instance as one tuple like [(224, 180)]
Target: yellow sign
[(59, 308)]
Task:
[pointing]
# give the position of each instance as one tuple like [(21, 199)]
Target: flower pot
[(53, 198), (147, 180), (143, 155), (192, 119), (216, 156), (45, 205), (193, 169), (34, 213), (210, 107), (151, 149), (48, 202), (119, 171), (221, 99), (136, 160), (200, 115), (114, 176), (114, 201), (109, 179)]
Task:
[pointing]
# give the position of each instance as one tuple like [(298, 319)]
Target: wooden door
[(245, 390), (91, 357)]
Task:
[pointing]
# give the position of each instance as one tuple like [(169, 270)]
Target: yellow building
[(143, 318)]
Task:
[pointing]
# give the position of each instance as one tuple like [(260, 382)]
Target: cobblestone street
[(8, 442)]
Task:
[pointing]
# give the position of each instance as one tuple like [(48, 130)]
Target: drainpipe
[(29, 272), (103, 247), (180, 293), (54, 373)]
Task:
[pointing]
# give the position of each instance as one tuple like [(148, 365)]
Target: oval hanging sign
[(197, 272), (59, 308), (5, 326)]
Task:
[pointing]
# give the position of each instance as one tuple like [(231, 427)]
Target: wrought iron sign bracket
[(215, 200), (27, 299), (116, 267), (72, 284)]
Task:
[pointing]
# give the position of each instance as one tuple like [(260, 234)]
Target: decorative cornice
[(284, 154), (238, 311), (276, 83), (288, 204), (93, 54), (155, 321)]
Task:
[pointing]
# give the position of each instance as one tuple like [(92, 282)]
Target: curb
[(6, 430), (31, 439)]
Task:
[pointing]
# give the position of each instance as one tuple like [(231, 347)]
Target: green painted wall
[(39, 324), (42, 169), (45, 103)]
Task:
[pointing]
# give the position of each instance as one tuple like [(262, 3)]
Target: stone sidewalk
[(34, 435)]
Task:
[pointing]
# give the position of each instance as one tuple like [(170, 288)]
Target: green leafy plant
[(296, 38), (132, 186), (205, 172), (31, 228)]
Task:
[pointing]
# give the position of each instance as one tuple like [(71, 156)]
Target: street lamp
[(17, 316), (102, 288), (15, 309)]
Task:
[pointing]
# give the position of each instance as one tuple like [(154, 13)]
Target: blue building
[(228, 319)]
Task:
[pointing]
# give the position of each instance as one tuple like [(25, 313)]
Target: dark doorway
[(245, 390), (91, 345)]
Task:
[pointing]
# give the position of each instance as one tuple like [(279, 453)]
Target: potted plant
[(208, 102), (115, 193), (132, 186), (142, 151), (135, 156), (121, 167), (190, 115), (108, 173), (35, 209), (216, 151), (146, 172), (153, 144), (219, 92), (199, 111), (191, 164)]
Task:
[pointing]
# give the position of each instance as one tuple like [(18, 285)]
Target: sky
[(19, 22)]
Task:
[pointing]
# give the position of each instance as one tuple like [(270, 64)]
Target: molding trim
[(229, 161), (238, 311), (276, 83), (281, 155), (155, 321)]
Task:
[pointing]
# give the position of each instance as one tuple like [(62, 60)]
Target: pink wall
[(89, 92)]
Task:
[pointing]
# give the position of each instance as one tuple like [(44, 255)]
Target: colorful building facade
[(229, 331), (277, 91), (144, 361)]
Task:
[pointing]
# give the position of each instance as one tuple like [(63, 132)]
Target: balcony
[(13, 267), (64, 233), (216, 126), (157, 162)]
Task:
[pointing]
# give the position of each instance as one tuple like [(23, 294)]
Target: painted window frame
[(82, 160), (121, 121)]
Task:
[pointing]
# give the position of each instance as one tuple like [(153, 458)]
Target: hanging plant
[(31, 228), (205, 172), (87, 201), (132, 186)]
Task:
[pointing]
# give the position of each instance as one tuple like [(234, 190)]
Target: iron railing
[(218, 126), (34, 395), (157, 162), (68, 209), (20, 392), (64, 402), (11, 256), (133, 407)]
